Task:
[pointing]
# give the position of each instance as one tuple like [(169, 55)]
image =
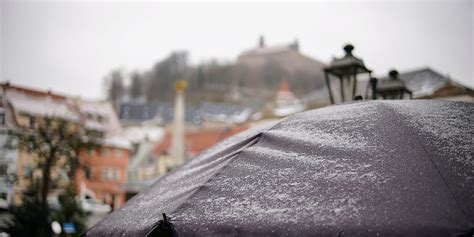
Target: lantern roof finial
[(348, 49), (393, 74), (348, 64)]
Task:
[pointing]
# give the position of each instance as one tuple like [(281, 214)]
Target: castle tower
[(261, 42)]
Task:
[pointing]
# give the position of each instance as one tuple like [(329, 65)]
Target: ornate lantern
[(393, 88), (345, 70)]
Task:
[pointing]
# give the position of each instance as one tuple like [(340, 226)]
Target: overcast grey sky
[(70, 46)]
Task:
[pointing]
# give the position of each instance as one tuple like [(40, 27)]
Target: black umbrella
[(362, 169)]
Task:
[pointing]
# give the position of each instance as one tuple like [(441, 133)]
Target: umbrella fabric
[(372, 168)]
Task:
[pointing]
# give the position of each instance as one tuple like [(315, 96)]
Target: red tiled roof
[(32, 92), (198, 140)]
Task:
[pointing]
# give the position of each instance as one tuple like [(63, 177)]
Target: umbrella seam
[(434, 165), (444, 180)]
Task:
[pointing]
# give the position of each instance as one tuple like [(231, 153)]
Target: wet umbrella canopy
[(359, 169)]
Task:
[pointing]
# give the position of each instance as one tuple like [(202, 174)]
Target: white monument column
[(177, 143)]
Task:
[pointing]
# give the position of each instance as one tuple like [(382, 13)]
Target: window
[(2, 119), (105, 152), (3, 170), (88, 173), (118, 153), (110, 174), (32, 122), (1, 95)]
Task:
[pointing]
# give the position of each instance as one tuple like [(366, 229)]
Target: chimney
[(295, 45), (261, 42)]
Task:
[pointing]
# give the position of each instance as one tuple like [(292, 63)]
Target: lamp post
[(177, 143), (345, 70)]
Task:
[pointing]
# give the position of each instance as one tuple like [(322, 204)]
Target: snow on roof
[(95, 107), (117, 142), (93, 115), (289, 109), (422, 82), (267, 50), (99, 115), (140, 133), (143, 151), (44, 106)]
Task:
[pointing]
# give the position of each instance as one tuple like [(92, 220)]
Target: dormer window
[(94, 133)]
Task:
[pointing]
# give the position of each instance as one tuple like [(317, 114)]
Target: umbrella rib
[(233, 156)]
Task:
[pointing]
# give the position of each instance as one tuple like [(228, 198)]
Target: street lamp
[(393, 88), (345, 70)]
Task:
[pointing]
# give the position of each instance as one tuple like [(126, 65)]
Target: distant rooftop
[(262, 48), (163, 112), (98, 116), (422, 81)]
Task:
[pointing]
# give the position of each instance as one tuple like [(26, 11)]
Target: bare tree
[(55, 144), (163, 75), (115, 86), (136, 86)]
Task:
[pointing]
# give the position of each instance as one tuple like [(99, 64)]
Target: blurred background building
[(24, 107), (145, 126)]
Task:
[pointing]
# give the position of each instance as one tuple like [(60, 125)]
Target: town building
[(107, 164), (27, 108), (265, 66)]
